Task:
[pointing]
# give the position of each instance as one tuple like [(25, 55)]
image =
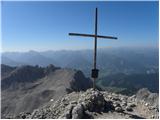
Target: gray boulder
[(78, 112), (94, 100), (148, 97)]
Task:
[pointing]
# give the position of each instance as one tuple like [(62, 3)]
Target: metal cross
[(94, 74)]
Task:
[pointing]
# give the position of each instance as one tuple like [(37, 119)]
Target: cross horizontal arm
[(91, 35), (108, 37)]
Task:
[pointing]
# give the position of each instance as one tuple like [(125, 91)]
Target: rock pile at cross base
[(95, 104)]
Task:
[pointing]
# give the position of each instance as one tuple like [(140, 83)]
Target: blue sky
[(45, 25)]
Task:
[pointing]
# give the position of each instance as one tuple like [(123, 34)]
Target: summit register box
[(95, 73)]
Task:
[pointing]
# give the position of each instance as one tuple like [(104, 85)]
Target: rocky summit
[(97, 105)]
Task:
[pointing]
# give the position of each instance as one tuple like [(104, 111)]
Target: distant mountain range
[(109, 60)]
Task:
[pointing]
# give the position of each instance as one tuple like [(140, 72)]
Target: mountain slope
[(6, 70), (29, 87)]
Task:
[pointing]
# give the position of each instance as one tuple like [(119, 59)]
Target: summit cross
[(95, 71)]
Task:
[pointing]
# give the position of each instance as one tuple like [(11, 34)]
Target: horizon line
[(130, 47)]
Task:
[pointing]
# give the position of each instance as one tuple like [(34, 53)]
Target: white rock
[(146, 104)]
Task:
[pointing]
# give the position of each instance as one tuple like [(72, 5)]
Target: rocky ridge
[(96, 104)]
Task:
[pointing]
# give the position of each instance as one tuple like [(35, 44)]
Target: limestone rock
[(131, 105), (147, 96), (78, 112), (128, 108), (67, 113), (118, 109), (94, 100)]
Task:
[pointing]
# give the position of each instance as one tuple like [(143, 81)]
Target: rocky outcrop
[(149, 98), (79, 82), (84, 105), (93, 104), (50, 68)]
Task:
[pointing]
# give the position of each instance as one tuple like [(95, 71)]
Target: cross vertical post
[(95, 41), (95, 46)]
